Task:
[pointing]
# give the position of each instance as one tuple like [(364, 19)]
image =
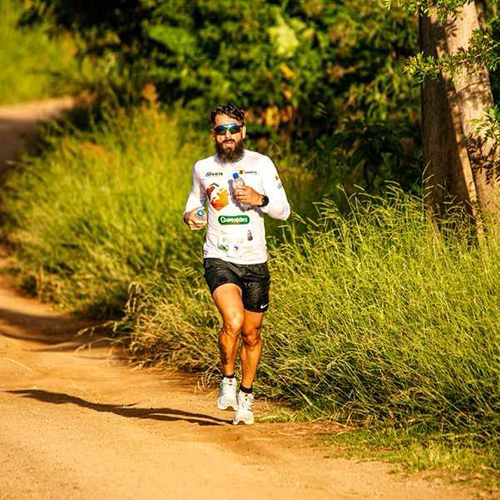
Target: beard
[(229, 155)]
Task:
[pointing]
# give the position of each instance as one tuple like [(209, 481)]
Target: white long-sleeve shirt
[(236, 234)]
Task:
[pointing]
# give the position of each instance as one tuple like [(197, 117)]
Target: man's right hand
[(192, 223)]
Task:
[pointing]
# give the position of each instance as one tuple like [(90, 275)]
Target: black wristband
[(265, 201)]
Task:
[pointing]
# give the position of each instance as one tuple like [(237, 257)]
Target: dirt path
[(19, 121), (77, 423)]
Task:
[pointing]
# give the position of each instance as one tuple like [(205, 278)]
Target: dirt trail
[(77, 423), (18, 122)]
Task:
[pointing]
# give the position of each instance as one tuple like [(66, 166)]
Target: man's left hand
[(248, 196)]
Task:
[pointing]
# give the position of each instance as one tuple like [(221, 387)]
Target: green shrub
[(304, 69), (262, 53)]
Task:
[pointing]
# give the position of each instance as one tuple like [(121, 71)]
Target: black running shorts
[(253, 279)]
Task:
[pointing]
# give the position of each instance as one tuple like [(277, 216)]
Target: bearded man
[(235, 252)]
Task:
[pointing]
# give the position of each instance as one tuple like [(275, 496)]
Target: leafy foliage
[(490, 124), (376, 152), (483, 50), (301, 67)]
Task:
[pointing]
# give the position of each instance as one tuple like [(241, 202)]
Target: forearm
[(194, 201)]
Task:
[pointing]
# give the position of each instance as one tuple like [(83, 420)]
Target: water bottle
[(238, 182), (200, 216)]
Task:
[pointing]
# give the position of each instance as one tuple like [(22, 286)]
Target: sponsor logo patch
[(233, 219), (218, 196), (212, 174)]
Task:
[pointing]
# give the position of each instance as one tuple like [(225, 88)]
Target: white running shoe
[(244, 413), (227, 394)]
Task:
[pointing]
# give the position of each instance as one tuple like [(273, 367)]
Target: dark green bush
[(305, 69)]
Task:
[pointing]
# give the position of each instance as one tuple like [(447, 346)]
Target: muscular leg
[(251, 349), (227, 298)]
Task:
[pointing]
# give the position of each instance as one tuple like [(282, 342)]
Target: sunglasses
[(233, 128)]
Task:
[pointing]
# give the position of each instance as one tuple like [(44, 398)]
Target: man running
[(235, 252)]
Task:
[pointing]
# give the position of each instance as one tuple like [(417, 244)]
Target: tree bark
[(462, 166)]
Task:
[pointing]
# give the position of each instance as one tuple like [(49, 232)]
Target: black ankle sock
[(246, 390), (228, 376)]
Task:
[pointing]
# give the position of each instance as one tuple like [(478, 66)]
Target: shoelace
[(247, 402)]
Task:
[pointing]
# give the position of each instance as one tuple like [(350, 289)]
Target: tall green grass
[(376, 317), (32, 63), (101, 208)]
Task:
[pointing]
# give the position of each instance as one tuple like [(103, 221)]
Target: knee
[(233, 323), (251, 338)]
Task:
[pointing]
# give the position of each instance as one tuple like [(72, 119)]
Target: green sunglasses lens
[(233, 128)]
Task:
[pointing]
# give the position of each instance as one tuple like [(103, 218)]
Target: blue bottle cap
[(200, 212), (235, 175)]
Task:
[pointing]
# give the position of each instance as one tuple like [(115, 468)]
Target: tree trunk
[(462, 166)]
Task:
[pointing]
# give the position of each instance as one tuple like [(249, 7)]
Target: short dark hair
[(229, 110)]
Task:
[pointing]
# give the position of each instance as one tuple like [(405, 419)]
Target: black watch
[(265, 201)]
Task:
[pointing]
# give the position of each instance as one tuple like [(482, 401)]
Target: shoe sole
[(227, 407), (243, 422)]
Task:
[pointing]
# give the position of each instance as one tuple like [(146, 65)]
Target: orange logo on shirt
[(218, 196)]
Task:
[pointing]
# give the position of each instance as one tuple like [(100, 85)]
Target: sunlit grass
[(108, 208), (33, 64), (413, 451)]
